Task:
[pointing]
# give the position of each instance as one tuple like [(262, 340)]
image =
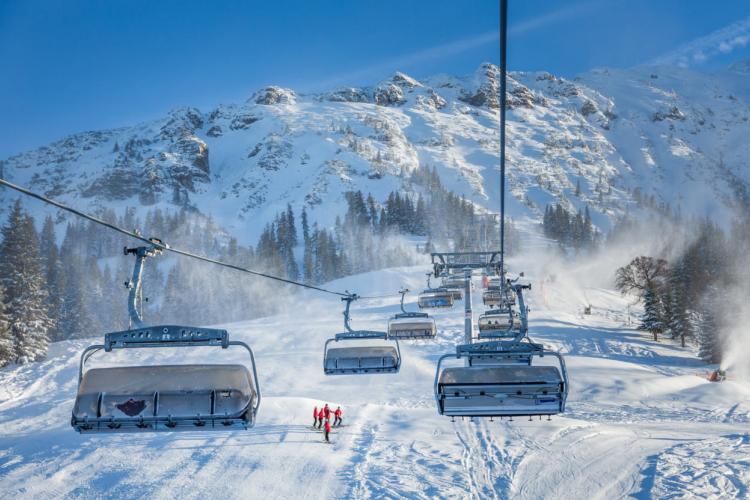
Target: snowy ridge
[(640, 420), (661, 132)]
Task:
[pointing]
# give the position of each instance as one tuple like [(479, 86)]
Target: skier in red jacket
[(337, 416), (326, 412), (327, 431), (315, 416)]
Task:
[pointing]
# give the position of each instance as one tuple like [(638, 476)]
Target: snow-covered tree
[(651, 319), (54, 276), (22, 277), (707, 328), (679, 322), (6, 339), (307, 258)]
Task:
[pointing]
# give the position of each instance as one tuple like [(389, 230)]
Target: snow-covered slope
[(640, 421), (665, 132)]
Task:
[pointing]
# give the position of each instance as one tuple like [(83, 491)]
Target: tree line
[(55, 289), (685, 298), (571, 229), (71, 285)]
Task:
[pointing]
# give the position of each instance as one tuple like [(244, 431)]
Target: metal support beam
[(469, 315), (503, 86)]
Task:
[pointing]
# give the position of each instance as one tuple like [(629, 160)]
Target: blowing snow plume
[(736, 331)]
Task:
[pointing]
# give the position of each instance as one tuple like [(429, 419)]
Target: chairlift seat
[(435, 299), (492, 391), (412, 326), (494, 322), (493, 297), (361, 360), (454, 281), (165, 397)]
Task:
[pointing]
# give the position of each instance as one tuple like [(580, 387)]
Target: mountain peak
[(404, 80), (274, 95)]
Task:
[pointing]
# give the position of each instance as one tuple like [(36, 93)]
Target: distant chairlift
[(363, 359), (456, 284), (497, 324), (434, 297), (411, 325), (499, 296), (493, 296), (192, 397)]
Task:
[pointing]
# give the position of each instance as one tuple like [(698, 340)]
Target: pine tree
[(75, 318), (679, 324), (307, 264), (651, 319), (287, 242), (6, 339), (22, 277), (372, 210), (53, 275), (707, 329), (420, 218), (383, 222)]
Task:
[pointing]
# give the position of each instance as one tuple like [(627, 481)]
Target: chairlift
[(363, 359), (493, 296), (499, 296), (486, 388), (454, 281), (411, 325), (495, 319), (498, 324), (434, 297), (499, 380), (455, 284), (164, 397), (495, 281), (506, 324)]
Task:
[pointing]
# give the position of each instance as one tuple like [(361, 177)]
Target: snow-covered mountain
[(671, 133)]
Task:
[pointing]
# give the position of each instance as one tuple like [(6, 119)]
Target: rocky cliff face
[(666, 133)]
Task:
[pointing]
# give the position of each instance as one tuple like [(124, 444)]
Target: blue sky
[(72, 65)]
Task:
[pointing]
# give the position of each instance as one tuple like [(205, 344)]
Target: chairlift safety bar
[(361, 334)]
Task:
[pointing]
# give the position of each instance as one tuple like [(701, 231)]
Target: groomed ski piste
[(641, 419)]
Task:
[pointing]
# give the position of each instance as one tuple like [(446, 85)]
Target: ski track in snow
[(640, 420)]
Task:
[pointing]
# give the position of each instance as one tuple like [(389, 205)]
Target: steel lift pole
[(503, 85), (468, 313)]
